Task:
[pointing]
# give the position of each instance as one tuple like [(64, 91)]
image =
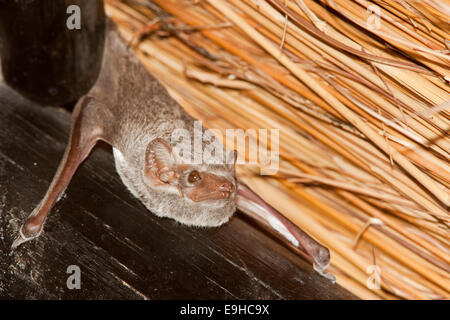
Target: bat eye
[(194, 176)]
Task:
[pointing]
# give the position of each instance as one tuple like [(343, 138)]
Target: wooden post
[(44, 55)]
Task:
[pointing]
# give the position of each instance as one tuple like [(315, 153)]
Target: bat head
[(194, 194)]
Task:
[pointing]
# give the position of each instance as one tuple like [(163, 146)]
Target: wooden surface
[(123, 250)]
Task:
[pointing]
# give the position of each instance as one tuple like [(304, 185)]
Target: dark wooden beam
[(123, 250), (44, 59)]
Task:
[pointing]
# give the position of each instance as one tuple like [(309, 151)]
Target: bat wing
[(90, 122)]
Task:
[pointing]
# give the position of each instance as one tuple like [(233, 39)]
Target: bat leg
[(86, 130)]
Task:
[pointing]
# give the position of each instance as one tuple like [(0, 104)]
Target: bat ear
[(160, 161)]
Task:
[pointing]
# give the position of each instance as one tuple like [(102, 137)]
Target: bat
[(130, 110)]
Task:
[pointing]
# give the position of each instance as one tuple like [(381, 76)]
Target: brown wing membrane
[(86, 129)]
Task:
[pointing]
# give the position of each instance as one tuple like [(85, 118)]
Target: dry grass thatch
[(359, 90)]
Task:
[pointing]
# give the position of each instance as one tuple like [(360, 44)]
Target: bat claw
[(321, 270), (22, 239)]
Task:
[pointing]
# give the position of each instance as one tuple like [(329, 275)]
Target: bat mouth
[(215, 195), (222, 190)]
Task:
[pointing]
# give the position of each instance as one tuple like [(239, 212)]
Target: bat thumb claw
[(21, 239), (321, 270)]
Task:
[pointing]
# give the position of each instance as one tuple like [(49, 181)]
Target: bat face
[(199, 195), (205, 186)]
